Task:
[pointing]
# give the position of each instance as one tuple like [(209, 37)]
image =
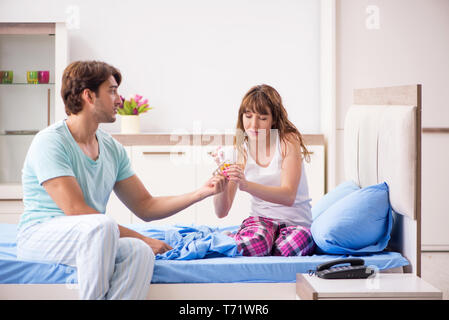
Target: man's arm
[(68, 196), (136, 197)]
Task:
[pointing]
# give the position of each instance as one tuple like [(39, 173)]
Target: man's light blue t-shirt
[(55, 153)]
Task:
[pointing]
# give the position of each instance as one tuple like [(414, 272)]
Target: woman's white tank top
[(299, 213)]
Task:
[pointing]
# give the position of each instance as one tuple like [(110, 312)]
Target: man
[(69, 172)]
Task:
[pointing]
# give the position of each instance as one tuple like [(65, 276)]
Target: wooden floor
[(435, 270)]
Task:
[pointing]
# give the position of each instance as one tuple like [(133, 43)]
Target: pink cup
[(43, 76)]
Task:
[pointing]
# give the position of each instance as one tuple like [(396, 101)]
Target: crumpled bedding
[(191, 242)]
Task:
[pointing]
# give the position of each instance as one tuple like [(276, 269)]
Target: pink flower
[(141, 103), (134, 105)]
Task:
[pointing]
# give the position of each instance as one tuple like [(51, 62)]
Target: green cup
[(32, 77), (6, 77)]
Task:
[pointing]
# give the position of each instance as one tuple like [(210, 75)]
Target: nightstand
[(384, 286)]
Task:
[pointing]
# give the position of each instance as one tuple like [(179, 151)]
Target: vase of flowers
[(130, 109)]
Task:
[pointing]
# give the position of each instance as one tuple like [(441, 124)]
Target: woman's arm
[(223, 201)]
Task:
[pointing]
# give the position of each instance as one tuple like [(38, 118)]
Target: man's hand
[(158, 246), (214, 185)]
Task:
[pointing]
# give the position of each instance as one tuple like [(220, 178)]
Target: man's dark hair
[(80, 75)]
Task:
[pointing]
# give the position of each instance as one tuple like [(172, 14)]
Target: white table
[(385, 286)]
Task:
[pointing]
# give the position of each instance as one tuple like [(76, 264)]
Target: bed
[(382, 143)]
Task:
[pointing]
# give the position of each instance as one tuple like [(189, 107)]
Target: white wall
[(195, 59), (401, 42), (396, 43)]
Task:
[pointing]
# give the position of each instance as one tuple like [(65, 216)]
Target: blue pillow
[(359, 223), (341, 191)]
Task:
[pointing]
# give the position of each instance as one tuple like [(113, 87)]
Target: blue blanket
[(191, 242)]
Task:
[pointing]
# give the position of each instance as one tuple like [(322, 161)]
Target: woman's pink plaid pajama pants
[(260, 236)]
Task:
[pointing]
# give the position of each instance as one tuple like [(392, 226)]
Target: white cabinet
[(173, 170), (10, 211), (26, 108), (435, 186), (166, 171)]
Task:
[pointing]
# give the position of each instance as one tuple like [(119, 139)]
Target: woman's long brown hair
[(259, 99)]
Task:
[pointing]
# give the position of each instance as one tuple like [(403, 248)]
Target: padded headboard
[(382, 142)]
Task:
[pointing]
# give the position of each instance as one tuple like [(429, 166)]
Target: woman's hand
[(235, 173), (158, 246)]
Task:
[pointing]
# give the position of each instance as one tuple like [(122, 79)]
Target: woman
[(270, 153)]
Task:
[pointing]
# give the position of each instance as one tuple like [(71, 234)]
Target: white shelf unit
[(26, 108)]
